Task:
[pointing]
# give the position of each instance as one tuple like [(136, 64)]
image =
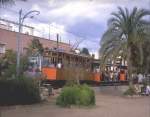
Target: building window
[(2, 48)]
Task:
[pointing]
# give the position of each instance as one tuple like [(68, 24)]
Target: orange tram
[(58, 77), (58, 67)]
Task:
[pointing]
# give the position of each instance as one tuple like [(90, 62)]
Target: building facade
[(8, 40)]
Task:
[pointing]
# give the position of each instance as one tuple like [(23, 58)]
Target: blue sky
[(86, 19)]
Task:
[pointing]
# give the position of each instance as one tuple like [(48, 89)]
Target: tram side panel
[(60, 76)]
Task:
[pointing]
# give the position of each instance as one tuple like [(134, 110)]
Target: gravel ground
[(106, 106)]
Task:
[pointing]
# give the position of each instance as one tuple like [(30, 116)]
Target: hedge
[(19, 91)]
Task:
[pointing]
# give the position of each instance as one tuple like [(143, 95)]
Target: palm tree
[(35, 47), (6, 2), (125, 30)]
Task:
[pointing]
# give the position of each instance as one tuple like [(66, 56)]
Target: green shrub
[(18, 91), (8, 64), (76, 95), (87, 96), (130, 91)]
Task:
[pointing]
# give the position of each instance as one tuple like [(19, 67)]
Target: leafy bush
[(130, 91), (87, 96), (76, 95), (19, 91), (8, 64)]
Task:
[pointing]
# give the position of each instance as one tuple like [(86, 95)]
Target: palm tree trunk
[(141, 56), (129, 62)]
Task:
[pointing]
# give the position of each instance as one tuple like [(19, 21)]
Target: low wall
[(112, 90)]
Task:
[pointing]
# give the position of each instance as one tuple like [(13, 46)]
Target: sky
[(82, 21)]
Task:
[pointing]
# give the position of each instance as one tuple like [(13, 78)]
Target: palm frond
[(125, 31)]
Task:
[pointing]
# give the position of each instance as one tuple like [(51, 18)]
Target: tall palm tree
[(6, 2), (125, 30)]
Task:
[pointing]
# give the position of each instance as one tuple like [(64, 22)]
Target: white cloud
[(94, 10), (36, 7), (44, 30), (74, 11), (57, 28)]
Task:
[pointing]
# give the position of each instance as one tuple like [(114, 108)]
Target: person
[(107, 76), (103, 76), (147, 90), (59, 65), (122, 75), (118, 75), (111, 76), (140, 78), (115, 76), (137, 89)]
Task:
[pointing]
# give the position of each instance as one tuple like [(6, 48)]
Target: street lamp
[(22, 17)]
